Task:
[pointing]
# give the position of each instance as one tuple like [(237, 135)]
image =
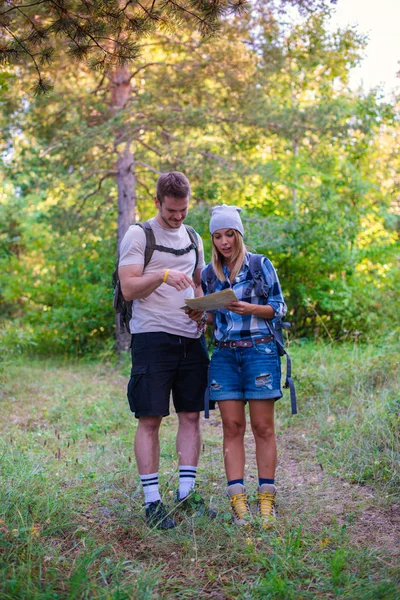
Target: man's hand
[(178, 280), (241, 308), (195, 315)]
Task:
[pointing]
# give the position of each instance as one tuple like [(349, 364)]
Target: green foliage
[(351, 394), (103, 34), (65, 299), (261, 117), (5, 79), (57, 282), (71, 513)]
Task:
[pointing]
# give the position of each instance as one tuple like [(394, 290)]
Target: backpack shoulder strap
[(275, 325), (261, 287), (150, 241), (255, 265), (193, 238), (211, 278)]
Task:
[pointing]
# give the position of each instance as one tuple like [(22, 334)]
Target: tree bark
[(121, 88), (294, 189)]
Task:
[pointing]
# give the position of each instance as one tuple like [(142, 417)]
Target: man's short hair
[(173, 184)]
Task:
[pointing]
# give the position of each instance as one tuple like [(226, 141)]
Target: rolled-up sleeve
[(133, 246), (275, 296), (200, 264)]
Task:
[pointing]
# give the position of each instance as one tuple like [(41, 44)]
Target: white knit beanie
[(226, 217)]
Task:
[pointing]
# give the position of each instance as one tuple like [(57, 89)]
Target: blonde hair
[(238, 255)]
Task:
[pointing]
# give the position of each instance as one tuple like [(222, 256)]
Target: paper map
[(212, 301)]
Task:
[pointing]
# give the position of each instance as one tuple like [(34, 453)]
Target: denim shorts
[(163, 363), (246, 373)]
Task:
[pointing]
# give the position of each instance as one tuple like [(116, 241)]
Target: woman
[(245, 365)]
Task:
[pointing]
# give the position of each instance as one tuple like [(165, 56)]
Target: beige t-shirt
[(161, 311)]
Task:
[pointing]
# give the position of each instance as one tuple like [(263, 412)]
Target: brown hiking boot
[(239, 504), (266, 504)]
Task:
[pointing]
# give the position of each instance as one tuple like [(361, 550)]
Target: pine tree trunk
[(294, 189), (126, 216), (120, 92)]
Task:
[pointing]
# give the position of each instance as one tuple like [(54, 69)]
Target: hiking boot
[(194, 504), (157, 516), (266, 504), (239, 504)]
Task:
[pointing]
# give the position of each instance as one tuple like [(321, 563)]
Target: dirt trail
[(307, 492)]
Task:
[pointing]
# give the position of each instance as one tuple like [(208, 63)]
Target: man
[(168, 349)]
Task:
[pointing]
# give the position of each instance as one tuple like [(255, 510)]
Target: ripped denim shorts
[(246, 373)]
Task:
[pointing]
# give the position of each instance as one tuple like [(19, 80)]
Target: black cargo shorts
[(163, 363)]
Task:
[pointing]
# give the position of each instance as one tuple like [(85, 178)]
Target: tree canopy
[(260, 116), (104, 34)]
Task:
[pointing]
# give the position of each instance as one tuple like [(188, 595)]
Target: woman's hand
[(195, 315), (241, 308)]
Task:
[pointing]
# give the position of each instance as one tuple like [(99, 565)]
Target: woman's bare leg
[(234, 425), (262, 424)]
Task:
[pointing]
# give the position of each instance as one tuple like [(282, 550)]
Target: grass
[(351, 395), (71, 514)]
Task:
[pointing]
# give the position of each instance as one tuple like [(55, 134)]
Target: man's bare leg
[(188, 438), (147, 452), (188, 441), (147, 445)]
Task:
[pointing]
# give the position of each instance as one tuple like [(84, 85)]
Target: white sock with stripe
[(150, 488), (187, 478)]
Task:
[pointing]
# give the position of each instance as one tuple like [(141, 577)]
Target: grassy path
[(72, 520), (324, 500)]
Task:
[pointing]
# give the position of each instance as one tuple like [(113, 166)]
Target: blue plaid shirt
[(231, 326)]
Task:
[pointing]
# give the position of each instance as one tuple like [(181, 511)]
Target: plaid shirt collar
[(245, 265)]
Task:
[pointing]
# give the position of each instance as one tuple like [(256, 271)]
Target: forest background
[(254, 104), (261, 116)]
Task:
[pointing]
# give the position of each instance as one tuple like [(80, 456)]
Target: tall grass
[(71, 514), (350, 399)]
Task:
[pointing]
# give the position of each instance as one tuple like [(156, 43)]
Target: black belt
[(244, 343)]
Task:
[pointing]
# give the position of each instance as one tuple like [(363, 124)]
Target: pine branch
[(151, 148), (148, 167), (46, 56), (147, 189), (97, 189), (100, 33), (43, 85), (152, 64)]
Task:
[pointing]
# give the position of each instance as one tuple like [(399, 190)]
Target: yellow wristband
[(165, 276)]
